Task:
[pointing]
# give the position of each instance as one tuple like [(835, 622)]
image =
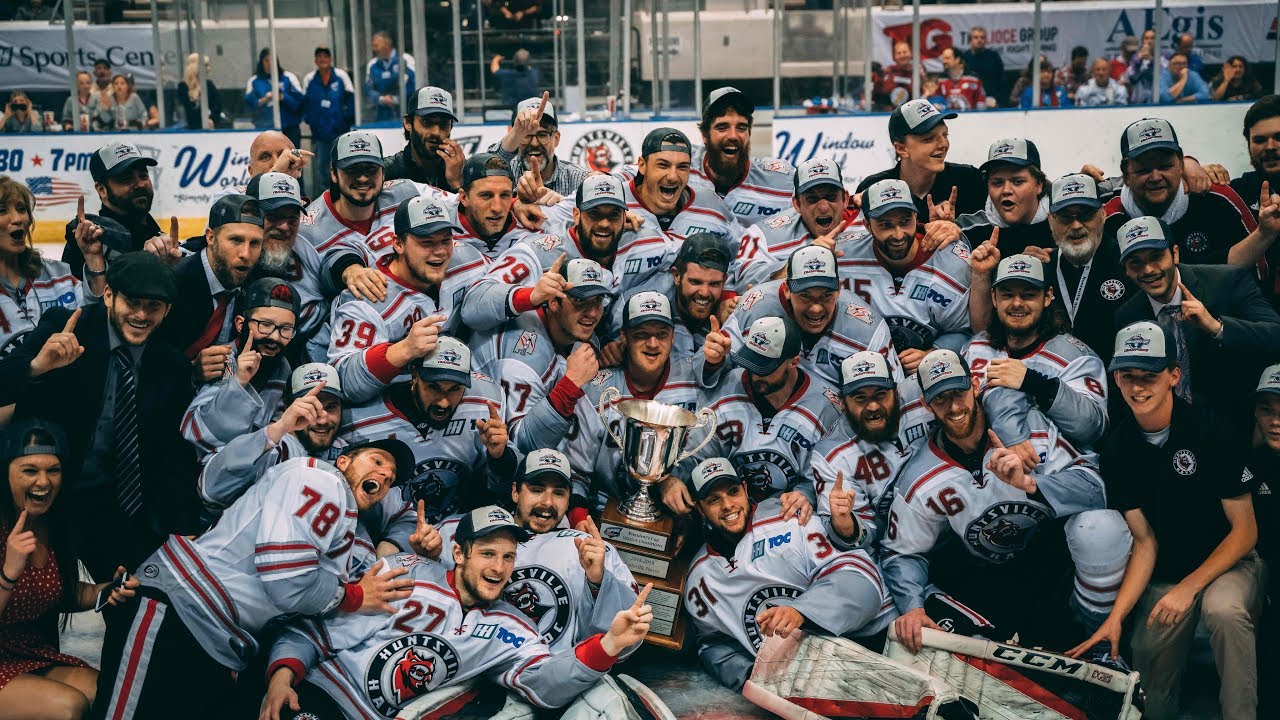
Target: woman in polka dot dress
[(39, 578)]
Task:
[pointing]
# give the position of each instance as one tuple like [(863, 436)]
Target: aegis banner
[(33, 56), (1219, 29)]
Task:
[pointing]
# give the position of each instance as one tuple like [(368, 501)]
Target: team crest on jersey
[(527, 343), (750, 299), (480, 376), (1004, 529), (909, 333), (1184, 462), (1197, 242), (779, 221), (602, 151), (547, 242), (1111, 289), (406, 668), (542, 596), (858, 312), (434, 483), (753, 604), (764, 471)]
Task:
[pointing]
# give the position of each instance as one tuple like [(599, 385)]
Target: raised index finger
[(994, 439), (1265, 197), (70, 327), (493, 411), (644, 593), (542, 106), (422, 512), (80, 203), (1186, 294), (715, 323), (955, 191), (173, 227), (559, 263), (839, 481), (21, 523), (316, 390)]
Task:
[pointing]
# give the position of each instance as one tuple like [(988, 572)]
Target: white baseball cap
[(940, 371), (274, 190), (307, 376), (422, 216), (1073, 189), (1141, 233), (1269, 382), (769, 342), (709, 473), (1148, 134), (115, 158), (812, 266), (887, 195), (485, 521), (600, 189), (546, 462), (1024, 268), (434, 101), (647, 306), (533, 103), (1013, 151), (862, 369), (355, 147), (449, 361), (1144, 346), (586, 277), (818, 171), (915, 117)]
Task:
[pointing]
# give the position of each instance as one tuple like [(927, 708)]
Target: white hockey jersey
[(304, 276), (1079, 407), (767, 244), (453, 464), (223, 410), (350, 341), (282, 548), (778, 563), (372, 665), (231, 470), (511, 235), (929, 300), (854, 328), (703, 211), (868, 468), (764, 191), (937, 500), (21, 308), (333, 237)]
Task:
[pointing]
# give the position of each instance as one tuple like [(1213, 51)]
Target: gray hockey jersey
[(767, 244), (703, 211), (763, 192), (333, 237), (223, 410), (20, 311)]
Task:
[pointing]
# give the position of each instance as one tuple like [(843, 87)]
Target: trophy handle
[(706, 418), (609, 396)]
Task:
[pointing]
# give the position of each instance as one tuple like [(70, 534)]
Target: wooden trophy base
[(652, 551)]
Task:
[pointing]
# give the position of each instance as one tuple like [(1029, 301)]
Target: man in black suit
[(208, 283), (1225, 331), (119, 393)]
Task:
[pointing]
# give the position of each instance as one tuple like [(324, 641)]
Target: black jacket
[(141, 229), (1225, 373), (971, 195), (72, 398), (402, 165), (191, 309)]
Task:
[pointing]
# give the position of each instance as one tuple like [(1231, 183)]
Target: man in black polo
[(430, 156), (1179, 477)]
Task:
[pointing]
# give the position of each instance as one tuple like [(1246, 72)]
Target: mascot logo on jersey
[(750, 299), (1184, 462), (1004, 529), (909, 333), (543, 597), (406, 668), (753, 604), (1111, 289), (602, 151), (779, 221), (547, 242), (764, 472), (435, 483)]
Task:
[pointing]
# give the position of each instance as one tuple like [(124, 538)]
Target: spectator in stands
[(931, 90), (1186, 46), (34, 10), (1180, 84), (78, 104), (517, 82), (18, 115), (381, 87), (329, 109), (514, 13), (962, 90), (1141, 80), (1051, 94), (102, 77), (120, 110), (189, 91), (1120, 63), (1024, 81), (894, 87), (1234, 82), (260, 99), (1075, 74), (153, 113), (985, 64), (1102, 89)]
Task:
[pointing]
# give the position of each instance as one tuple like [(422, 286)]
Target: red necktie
[(213, 327)]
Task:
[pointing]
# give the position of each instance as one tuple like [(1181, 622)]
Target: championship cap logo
[(358, 144), (1274, 377), (549, 460), (711, 467), (861, 368), (939, 369), (919, 110), (313, 376), (890, 193), (1019, 266), (1137, 343), (282, 292), (591, 274), (430, 211), (497, 514), (817, 169), (760, 341), (1071, 187), (814, 265), (124, 150), (1153, 132), (650, 305), (436, 98), (281, 187), (1001, 150), (1136, 232), (449, 356)]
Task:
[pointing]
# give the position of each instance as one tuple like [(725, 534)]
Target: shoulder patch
[(392, 183), (775, 165), (527, 343), (547, 242), (480, 376), (779, 221), (750, 299), (834, 399), (1078, 344), (960, 250), (854, 310), (602, 377)]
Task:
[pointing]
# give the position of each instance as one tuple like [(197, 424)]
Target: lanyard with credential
[(1073, 306)]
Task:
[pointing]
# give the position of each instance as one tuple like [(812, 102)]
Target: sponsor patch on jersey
[(909, 333), (602, 151), (1111, 289), (779, 221), (527, 343), (757, 549), (928, 294), (543, 597), (1004, 529), (743, 208), (789, 434), (858, 312), (1184, 462), (750, 299), (1197, 242), (754, 604), (547, 242), (480, 376), (406, 668), (764, 472), (151, 570)]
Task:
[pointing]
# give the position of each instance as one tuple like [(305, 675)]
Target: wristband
[(7, 587), (352, 597), (8, 579), (94, 273)]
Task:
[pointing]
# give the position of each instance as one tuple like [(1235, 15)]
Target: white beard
[(1077, 254), (276, 259)]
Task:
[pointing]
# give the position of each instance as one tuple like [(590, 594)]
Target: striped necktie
[(128, 473)]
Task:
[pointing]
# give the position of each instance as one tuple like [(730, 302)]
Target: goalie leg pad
[(622, 698)]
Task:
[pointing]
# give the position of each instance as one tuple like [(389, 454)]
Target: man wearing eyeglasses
[(531, 141), (251, 392)]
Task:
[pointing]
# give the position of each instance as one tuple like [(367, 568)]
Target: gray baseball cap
[(1148, 134), (1023, 268), (862, 369), (1073, 189), (711, 472), (645, 307), (307, 376), (812, 266), (940, 371), (1142, 346), (274, 190), (546, 463), (887, 195), (1142, 233), (422, 216), (598, 190), (815, 172), (355, 147), (487, 520), (587, 279), (1269, 382), (449, 361), (434, 101), (769, 342)]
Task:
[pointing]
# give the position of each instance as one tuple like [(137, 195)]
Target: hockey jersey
[(21, 308), (937, 501), (223, 410), (922, 305), (550, 587), (372, 665), (963, 93), (762, 192), (868, 468), (352, 340), (778, 562), (332, 236), (854, 328), (453, 465), (231, 470), (702, 211), (767, 244), (770, 454), (282, 548), (511, 234), (1079, 407), (593, 454)]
